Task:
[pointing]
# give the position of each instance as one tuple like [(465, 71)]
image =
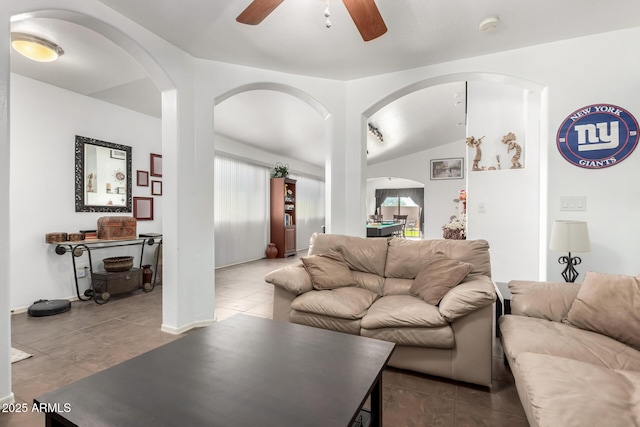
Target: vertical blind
[(309, 209), (241, 210)]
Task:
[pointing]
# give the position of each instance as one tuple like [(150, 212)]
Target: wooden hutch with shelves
[(283, 215)]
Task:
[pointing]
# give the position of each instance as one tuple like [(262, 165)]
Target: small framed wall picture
[(118, 154), (156, 188), (447, 168), (143, 208), (156, 164), (142, 178)]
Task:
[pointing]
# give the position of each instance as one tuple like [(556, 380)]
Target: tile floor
[(90, 338)]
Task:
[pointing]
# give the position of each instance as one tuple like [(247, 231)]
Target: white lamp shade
[(569, 236)]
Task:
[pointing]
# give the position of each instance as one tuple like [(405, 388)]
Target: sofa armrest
[(473, 293), (545, 300), (292, 278)]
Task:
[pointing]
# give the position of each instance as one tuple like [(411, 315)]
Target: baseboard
[(20, 310), (177, 331), (8, 400)]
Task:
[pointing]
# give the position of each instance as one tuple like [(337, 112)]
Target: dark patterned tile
[(476, 416), (408, 408), (502, 397)]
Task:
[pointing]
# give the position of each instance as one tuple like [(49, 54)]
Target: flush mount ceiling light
[(35, 48)]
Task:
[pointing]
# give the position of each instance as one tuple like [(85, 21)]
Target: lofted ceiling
[(294, 39)]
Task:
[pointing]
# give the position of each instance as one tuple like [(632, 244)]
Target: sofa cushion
[(609, 304), (349, 326), (406, 257), (522, 334), (440, 337), (402, 311), (437, 276), (546, 300), (345, 303), (292, 278), (472, 294), (361, 254), (370, 281), (565, 392), (328, 271), (394, 286)]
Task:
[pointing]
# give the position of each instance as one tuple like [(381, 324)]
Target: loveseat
[(379, 288), (573, 350)]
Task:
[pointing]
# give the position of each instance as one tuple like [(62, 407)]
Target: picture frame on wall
[(142, 178), (118, 154), (452, 168), (143, 208), (156, 164), (156, 188)]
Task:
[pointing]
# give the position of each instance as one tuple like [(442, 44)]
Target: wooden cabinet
[(283, 215)]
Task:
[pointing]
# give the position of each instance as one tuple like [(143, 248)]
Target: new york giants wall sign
[(597, 136)]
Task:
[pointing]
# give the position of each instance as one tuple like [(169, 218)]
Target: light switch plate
[(573, 203)]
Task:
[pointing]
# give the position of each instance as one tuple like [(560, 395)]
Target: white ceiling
[(294, 39)]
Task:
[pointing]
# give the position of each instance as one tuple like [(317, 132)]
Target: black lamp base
[(569, 273)]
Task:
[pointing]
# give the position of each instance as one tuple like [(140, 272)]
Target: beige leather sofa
[(566, 373), (451, 339)]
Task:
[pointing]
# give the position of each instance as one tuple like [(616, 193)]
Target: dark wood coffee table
[(244, 371)]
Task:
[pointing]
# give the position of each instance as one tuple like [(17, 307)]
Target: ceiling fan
[(365, 15)]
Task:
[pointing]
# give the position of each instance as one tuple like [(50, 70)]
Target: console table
[(80, 247)]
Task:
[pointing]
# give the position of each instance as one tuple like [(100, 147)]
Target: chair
[(403, 220), (375, 218)]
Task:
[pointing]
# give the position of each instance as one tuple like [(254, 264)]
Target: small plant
[(280, 171)]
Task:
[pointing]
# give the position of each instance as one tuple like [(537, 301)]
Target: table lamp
[(569, 236)]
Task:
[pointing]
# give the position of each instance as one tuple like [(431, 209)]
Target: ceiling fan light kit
[(35, 48), (364, 13)]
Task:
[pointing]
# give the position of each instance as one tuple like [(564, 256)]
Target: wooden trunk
[(117, 283), (117, 228)]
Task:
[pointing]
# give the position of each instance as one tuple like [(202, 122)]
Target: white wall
[(44, 122), (509, 218), (566, 87), (254, 155)]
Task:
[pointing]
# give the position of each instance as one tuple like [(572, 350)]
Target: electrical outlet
[(81, 272)]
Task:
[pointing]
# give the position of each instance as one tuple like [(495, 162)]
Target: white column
[(188, 257), (6, 396), (345, 181)]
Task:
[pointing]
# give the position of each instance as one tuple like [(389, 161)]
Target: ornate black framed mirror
[(103, 176)]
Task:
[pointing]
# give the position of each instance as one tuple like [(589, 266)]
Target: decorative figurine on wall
[(473, 142), (90, 188), (510, 140)]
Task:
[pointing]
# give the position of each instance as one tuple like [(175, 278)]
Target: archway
[(257, 126), (158, 75), (495, 200)]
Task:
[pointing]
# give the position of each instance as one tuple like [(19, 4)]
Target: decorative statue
[(472, 142), (510, 140), (90, 183)]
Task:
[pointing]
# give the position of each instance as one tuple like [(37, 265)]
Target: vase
[(271, 251), (147, 274)]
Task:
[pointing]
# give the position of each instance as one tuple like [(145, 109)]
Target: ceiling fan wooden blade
[(257, 11), (366, 16)]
